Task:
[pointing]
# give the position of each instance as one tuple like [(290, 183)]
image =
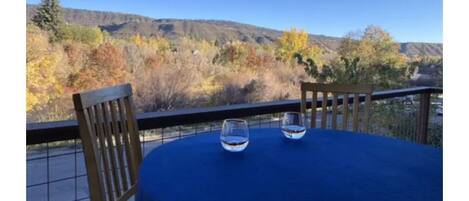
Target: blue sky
[(406, 20)]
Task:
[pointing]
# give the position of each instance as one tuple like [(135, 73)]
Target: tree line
[(63, 59)]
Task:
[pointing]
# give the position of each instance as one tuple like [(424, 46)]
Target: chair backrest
[(111, 144), (337, 89)]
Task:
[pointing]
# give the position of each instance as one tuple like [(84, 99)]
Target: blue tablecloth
[(323, 165)]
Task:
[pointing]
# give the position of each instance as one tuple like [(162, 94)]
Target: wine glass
[(293, 126), (234, 135)]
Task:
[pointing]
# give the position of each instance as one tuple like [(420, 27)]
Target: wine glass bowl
[(234, 136), (293, 126)]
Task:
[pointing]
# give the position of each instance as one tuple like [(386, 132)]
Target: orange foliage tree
[(107, 67)]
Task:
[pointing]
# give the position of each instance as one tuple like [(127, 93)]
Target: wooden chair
[(336, 90), (111, 144)]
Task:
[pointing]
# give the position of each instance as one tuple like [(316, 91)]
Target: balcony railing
[(56, 169)]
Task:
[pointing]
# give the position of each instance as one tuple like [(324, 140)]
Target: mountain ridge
[(124, 25)]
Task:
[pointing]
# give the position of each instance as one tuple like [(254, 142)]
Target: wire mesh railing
[(56, 170)]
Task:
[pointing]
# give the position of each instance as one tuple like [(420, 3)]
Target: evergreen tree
[(48, 17)]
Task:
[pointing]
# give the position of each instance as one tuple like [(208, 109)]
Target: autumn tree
[(292, 42), (371, 56), (374, 45), (77, 55), (296, 42), (42, 63), (49, 18), (107, 67)]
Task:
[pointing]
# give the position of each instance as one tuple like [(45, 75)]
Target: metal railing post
[(422, 118)]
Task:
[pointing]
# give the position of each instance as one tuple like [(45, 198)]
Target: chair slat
[(303, 103), (118, 138), (110, 147), (314, 104), (324, 110), (356, 104), (345, 112), (127, 195), (104, 155), (334, 110), (125, 137), (89, 142), (133, 130), (92, 128), (95, 134)]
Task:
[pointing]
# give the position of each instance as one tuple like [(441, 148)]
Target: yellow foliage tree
[(42, 85), (292, 42), (41, 65)]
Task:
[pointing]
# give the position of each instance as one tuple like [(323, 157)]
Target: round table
[(323, 165)]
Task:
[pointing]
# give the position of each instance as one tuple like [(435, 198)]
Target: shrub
[(235, 93), (232, 53), (162, 89)]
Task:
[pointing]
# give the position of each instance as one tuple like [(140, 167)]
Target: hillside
[(122, 25)]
